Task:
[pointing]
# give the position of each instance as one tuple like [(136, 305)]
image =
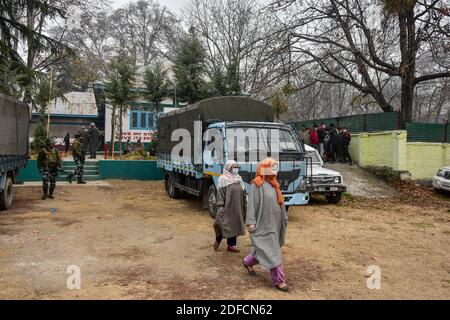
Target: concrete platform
[(97, 183)]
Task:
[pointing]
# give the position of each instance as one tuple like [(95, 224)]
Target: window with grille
[(143, 120)]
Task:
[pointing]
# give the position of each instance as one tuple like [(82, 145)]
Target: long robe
[(229, 221), (93, 140), (270, 219)]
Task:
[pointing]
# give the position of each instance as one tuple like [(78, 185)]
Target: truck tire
[(212, 198), (334, 198), (172, 191), (6, 196)]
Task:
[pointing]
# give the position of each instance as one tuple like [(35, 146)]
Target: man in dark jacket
[(332, 146), (84, 138), (340, 145), (66, 143), (93, 141), (347, 137)]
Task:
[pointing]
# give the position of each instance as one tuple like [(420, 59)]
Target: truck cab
[(292, 162)]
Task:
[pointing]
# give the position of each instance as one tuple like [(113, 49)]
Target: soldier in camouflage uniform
[(79, 153), (49, 163)]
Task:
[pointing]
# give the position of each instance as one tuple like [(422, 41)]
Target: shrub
[(40, 138)]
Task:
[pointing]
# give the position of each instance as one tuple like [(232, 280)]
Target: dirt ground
[(132, 242)]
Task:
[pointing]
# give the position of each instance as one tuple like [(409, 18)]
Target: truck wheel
[(334, 198), (212, 198), (172, 191), (6, 196)]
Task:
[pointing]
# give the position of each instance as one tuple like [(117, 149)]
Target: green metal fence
[(386, 121), (382, 121), (428, 132)]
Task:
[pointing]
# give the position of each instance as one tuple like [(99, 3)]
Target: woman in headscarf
[(229, 222), (266, 222)]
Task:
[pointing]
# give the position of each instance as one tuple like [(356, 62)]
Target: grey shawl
[(229, 221), (270, 219)]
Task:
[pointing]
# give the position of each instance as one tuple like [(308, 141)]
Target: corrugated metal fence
[(385, 121)]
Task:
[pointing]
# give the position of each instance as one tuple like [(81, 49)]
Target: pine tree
[(40, 139), (118, 90), (156, 85), (232, 80), (189, 69)]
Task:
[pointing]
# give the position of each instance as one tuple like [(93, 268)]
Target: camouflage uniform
[(48, 162), (78, 152)]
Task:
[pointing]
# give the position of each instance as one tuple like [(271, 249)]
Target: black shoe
[(81, 182), (250, 272), (284, 289), (50, 196), (44, 197), (69, 178)]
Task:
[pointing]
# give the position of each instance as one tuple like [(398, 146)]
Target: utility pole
[(49, 101), (175, 93)]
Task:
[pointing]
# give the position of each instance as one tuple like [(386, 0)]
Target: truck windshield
[(257, 138)]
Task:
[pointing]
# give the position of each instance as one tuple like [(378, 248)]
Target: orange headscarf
[(261, 176)]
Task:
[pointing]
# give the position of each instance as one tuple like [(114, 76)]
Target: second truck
[(14, 126), (197, 175)]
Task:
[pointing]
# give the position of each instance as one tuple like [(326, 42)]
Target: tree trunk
[(407, 98), (30, 26), (30, 49), (113, 131), (408, 48), (120, 129)]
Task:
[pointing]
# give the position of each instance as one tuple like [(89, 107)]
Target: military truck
[(14, 126), (228, 119)]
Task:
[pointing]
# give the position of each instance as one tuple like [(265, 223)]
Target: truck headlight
[(441, 173), (337, 180), (308, 180)]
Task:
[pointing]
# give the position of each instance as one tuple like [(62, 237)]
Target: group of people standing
[(263, 215), (332, 143), (90, 137)]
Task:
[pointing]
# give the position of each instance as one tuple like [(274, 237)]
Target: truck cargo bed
[(14, 126)]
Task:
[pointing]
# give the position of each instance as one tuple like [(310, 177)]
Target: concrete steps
[(91, 171)]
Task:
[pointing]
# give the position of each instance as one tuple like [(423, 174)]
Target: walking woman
[(266, 221), (229, 222)]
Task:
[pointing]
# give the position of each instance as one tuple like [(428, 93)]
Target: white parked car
[(324, 181), (441, 181)]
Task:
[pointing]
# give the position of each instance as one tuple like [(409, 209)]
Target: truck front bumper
[(296, 199), (322, 188)]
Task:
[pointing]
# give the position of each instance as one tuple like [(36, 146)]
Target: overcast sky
[(174, 5)]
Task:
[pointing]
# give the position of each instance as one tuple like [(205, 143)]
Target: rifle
[(62, 171), (46, 171)]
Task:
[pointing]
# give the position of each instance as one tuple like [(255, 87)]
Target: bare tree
[(239, 42), (144, 28), (369, 44)]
